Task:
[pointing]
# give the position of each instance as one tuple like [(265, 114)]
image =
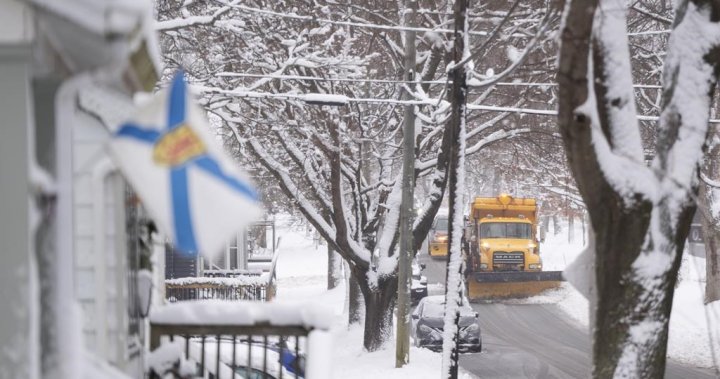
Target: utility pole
[(456, 183), (402, 347)]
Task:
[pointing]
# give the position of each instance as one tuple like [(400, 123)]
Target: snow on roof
[(219, 312)]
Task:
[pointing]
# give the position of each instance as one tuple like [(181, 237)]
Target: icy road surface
[(531, 340)]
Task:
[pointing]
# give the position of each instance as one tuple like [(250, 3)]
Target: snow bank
[(556, 252), (694, 327)]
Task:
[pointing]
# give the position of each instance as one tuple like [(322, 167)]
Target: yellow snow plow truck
[(502, 251), (438, 238)]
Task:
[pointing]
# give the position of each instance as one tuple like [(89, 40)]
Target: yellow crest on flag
[(178, 146)]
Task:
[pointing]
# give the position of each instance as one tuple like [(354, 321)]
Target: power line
[(358, 24), (210, 19), (395, 81), (318, 78), (420, 11), (334, 100)]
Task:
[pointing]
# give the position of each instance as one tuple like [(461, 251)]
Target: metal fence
[(225, 285), (229, 351), (197, 290)]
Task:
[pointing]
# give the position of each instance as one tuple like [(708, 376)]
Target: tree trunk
[(379, 306), (356, 308), (620, 236), (334, 275), (571, 228), (711, 237), (707, 198), (583, 219), (640, 234), (712, 268)]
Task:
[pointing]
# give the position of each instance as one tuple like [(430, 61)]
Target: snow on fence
[(257, 284), (223, 340)]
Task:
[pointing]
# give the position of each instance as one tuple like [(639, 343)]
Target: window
[(505, 230), (441, 224)]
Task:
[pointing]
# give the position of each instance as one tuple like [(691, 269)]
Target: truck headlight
[(483, 266), (535, 266)]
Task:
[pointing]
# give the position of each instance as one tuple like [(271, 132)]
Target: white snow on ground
[(692, 325), (556, 252), (302, 270)]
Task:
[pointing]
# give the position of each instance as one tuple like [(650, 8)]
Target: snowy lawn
[(302, 270)]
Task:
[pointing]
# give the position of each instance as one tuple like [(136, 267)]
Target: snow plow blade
[(511, 284)]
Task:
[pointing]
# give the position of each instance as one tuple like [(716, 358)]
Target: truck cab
[(502, 235), (507, 244), (438, 237)]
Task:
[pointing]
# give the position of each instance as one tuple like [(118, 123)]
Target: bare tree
[(640, 215)]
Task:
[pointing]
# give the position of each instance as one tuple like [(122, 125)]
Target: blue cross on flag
[(192, 189)]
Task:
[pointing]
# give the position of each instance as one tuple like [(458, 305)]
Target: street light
[(325, 99)]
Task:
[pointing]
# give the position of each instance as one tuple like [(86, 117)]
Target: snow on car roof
[(435, 302), (437, 299)]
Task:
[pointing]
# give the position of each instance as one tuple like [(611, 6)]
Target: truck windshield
[(505, 230), (441, 225)]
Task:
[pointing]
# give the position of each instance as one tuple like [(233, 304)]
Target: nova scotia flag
[(192, 189)]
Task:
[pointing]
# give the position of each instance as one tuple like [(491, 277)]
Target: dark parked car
[(418, 285), (427, 325)]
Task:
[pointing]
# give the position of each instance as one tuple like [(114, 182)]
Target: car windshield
[(505, 230), (251, 373), (437, 310), (441, 225)]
